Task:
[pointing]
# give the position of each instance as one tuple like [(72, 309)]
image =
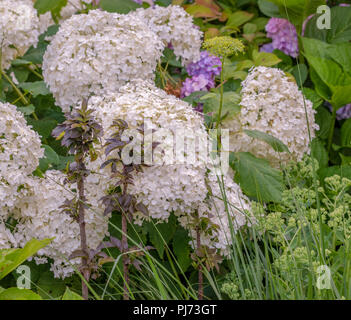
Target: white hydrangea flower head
[(169, 188), (173, 25), (40, 216), (162, 188), (19, 29), (20, 151), (272, 103), (98, 52)]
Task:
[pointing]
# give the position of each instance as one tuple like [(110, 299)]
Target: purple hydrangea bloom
[(203, 73), (268, 47), (150, 2), (344, 112), (196, 83), (284, 36), (208, 65)]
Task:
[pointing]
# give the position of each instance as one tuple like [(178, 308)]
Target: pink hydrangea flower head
[(283, 35)]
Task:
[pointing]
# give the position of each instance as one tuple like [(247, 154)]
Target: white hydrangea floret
[(19, 29), (173, 25), (272, 103), (98, 52)]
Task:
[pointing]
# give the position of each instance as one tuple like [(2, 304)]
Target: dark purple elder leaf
[(142, 208), (79, 254)]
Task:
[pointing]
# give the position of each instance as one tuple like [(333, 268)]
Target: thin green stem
[(331, 131), (221, 96), (18, 91)]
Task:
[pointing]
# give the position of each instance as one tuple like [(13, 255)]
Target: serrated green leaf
[(35, 88), (265, 59), (28, 110), (256, 177)]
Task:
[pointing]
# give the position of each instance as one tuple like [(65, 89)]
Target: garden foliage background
[(277, 227)]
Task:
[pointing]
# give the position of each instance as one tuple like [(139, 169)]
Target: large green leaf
[(119, 6), (70, 295), (160, 234), (181, 248), (265, 59), (43, 6), (319, 152), (342, 171), (238, 18), (275, 143), (340, 30), (269, 9), (346, 133), (10, 259), (50, 158), (331, 69), (19, 294), (297, 11), (256, 177), (35, 88)]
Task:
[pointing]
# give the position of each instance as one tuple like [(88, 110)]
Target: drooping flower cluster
[(19, 29), (283, 35), (203, 73), (98, 52), (173, 25), (20, 151), (272, 103), (176, 187)]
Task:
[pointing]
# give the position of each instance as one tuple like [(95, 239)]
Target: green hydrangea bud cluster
[(224, 46)]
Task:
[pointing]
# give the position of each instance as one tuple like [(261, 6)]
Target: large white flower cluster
[(173, 25), (272, 103), (39, 216), (98, 52), (166, 188), (20, 151), (19, 29)]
